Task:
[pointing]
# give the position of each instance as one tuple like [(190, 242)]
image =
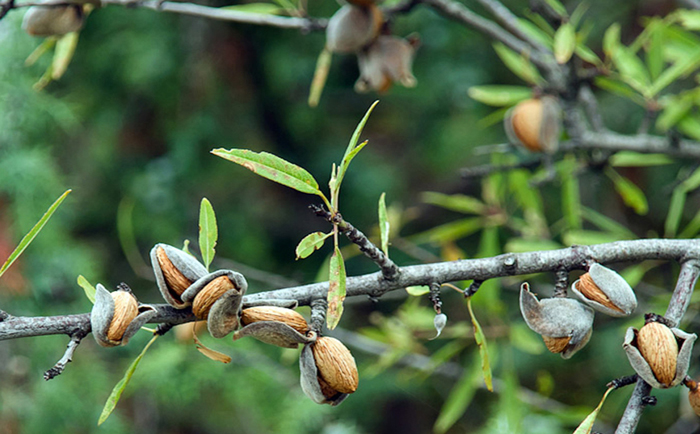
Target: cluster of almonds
[(328, 370), (566, 324), (658, 353), (54, 20), (535, 124), (382, 59)]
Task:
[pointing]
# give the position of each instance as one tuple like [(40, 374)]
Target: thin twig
[(67, 356), (389, 269), (688, 277), (633, 412), (590, 105)]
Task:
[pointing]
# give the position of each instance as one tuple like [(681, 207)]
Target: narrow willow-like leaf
[(39, 51), (606, 223), (564, 43), (384, 227), (65, 48), (455, 202), (570, 194), (632, 195), (336, 289), (675, 212), (87, 287), (273, 168), (679, 69), (32, 233), (520, 65), (636, 159), (458, 400), (632, 70), (350, 153), (611, 39), (587, 425), (557, 7), (256, 8), (212, 354), (498, 95), (208, 232), (483, 350), (323, 65), (311, 243), (121, 385)]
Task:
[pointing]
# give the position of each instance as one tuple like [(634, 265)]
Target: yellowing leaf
[(336, 289), (587, 425), (212, 354), (65, 48), (323, 65), (483, 350), (311, 243), (273, 168), (384, 227)]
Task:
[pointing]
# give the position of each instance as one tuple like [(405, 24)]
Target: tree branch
[(388, 267), (67, 356), (510, 22), (374, 285), (635, 406)]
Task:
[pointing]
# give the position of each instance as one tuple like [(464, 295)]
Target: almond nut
[(273, 313), (659, 347), (125, 310), (335, 364), (204, 299)]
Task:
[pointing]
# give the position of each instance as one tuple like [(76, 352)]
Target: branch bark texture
[(375, 285)]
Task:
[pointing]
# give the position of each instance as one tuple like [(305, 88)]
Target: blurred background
[(129, 129)]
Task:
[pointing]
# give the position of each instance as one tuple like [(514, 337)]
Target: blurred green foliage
[(129, 128)]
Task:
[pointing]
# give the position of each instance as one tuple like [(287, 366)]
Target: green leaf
[(450, 231), (541, 32), (323, 66), (587, 54), (121, 385), (256, 8), (570, 192), (689, 19), (655, 49), (208, 232), (611, 40), (311, 243), (459, 399), (273, 168), (587, 425), (557, 7), (679, 69), (632, 70), (632, 195), (690, 125), (417, 291), (521, 245), (40, 50), (384, 226), (65, 48), (607, 224), (620, 89), (636, 159), (692, 229), (675, 109), (336, 289), (24, 243), (483, 349), (87, 287), (588, 238), (499, 95), (520, 65), (455, 202), (350, 153), (675, 212), (564, 43)]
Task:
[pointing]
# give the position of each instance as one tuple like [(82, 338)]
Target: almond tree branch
[(375, 285), (67, 357), (510, 22), (388, 267)]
